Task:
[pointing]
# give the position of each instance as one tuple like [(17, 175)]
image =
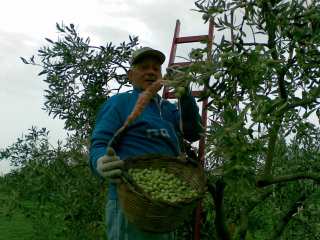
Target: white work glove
[(110, 166)]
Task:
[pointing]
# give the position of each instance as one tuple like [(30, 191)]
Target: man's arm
[(107, 123), (191, 119)]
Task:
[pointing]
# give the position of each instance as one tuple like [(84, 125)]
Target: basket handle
[(126, 177)]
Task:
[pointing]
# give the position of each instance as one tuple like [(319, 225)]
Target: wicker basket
[(159, 216)]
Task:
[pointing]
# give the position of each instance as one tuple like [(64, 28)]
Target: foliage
[(64, 197), (79, 76), (13, 225)]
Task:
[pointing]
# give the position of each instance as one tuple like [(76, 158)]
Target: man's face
[(144, 73)]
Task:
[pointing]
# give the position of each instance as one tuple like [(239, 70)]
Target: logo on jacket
[(162, 132)]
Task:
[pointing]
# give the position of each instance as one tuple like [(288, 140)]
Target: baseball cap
[(140, 53)]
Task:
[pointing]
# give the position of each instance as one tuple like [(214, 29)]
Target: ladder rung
[(171, 95), (183, 64), (191, 39), (180, 64)]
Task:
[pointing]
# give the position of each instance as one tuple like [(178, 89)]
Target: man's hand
[(110, 166)]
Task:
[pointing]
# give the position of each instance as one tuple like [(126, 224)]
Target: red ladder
[(170, 95)]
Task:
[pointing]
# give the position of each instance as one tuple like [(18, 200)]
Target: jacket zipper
[(159, 106)]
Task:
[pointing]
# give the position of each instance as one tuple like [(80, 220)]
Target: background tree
[(53, 187), (80, 76)]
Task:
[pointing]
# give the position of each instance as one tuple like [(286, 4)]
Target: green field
[(13, 225)]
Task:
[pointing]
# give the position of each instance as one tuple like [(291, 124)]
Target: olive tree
[(80, 76), (262, 81)]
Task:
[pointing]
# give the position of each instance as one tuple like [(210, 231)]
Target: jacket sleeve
[(191, 120), (108, 121)]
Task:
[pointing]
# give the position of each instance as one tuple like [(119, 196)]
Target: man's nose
[(152, 72), (152, 76)]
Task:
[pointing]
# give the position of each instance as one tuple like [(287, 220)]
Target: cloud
[(4, 167), (105, 34), (16, 77), (21, 90), (152, 21)]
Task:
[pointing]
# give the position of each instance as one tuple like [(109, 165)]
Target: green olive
[(162, 185)]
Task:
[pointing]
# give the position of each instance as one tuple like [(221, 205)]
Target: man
[(155, 131)]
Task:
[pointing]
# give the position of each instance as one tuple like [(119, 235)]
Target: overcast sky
[(25, 24)]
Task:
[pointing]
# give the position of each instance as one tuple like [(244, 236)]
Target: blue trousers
[(118, 227)]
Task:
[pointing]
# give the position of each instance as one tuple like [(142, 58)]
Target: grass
[(13, 225)]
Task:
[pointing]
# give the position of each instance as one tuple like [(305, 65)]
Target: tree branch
[(244, 221), (255, 44), (266, 181), (217, 194), (270, 27), (307, 101), (273, 135)]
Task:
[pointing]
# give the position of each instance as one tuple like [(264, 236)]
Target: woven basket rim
[(178, 159)]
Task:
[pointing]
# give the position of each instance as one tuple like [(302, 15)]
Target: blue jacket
[(155, 131)]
